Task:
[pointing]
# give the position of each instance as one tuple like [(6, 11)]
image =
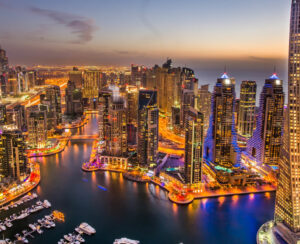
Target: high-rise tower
[(220, 142), (193, 147), (265, 143), (246, 115), (287, 207), (286, 222), (147, 128)]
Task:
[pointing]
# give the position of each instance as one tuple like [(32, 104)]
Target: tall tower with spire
[(287, 208), (286, 224)]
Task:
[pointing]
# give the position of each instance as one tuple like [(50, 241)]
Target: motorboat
[(87, 229), (125, 240)]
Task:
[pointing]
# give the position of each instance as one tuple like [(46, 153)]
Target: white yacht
[(23, 215), (125, 241), (46, 204), (87, 229), (31, 226)]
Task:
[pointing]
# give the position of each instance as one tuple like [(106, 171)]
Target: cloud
[(82, 27)]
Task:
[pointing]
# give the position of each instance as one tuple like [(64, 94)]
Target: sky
[(249, 37)]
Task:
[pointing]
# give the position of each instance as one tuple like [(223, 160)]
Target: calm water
[(119, 208)]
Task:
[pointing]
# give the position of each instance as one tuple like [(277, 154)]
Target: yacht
[(87, 229), (78, 230), (68, 238), (125, 241), (24, 240), (80, 239), (46, 204), (31, 226), (23, 215)]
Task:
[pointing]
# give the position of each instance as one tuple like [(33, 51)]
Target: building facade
[(220, 143), (147, 128), (287, 204), (193, 147), (13, 161), (246, 114), (265, 144)]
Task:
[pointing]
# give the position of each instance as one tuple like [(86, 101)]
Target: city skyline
[(212, 35)]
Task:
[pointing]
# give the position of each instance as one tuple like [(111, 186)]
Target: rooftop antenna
[(275, 71), (225, 69)]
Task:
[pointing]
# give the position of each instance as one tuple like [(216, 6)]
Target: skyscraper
[(193, 147), (204, 105), (287, 206), (147, 128), (286, 224), (116, 128), (13, 161), (92, 84), (3, 115), (246, 114), (52, 98), (37, 128), (3, 61), (220, 145), (74, 103), (76, 76), (265, 144)]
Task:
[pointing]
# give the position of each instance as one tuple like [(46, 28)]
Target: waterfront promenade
[(177, 191), (19, 190)]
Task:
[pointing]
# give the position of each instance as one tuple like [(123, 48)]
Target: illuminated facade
[(204, 104), (193, 147), (37, 128), (132, 104), (116, 128), (92, 84), (3, 61), (76, 76), (187, 101), (287, 206), (147, 128), (246, 114), (220, 143), (52, 99), (3, 117), (13, 161), (104, 99), (265, 144)]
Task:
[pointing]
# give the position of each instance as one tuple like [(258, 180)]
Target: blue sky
[(250, 37)]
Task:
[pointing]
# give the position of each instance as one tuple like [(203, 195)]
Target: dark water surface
[(119, 208)]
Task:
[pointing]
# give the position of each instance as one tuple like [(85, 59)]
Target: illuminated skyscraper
[(76, 76), (147, 128), (246, 114), (220, 142), (17, 116), (3, 61), (132, 104), (3, 115), (187, 101), (13, 161), (52, 98), (37, 128), (265, 144), (92, 84), (104, 100), (193, 147), (204, 105), (116, 128), (287, 206)]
